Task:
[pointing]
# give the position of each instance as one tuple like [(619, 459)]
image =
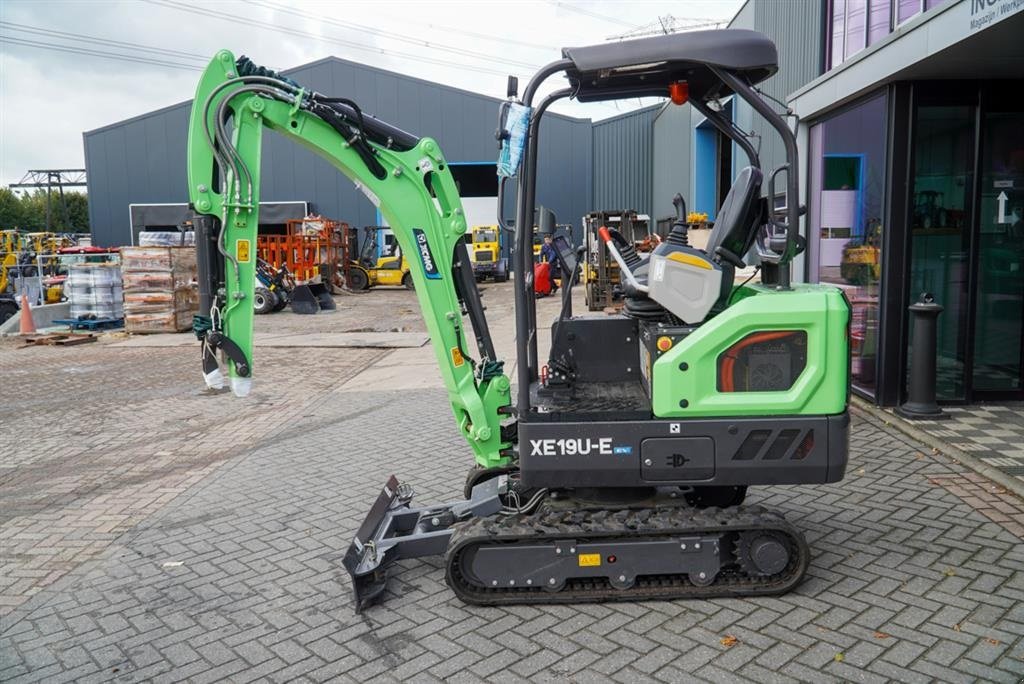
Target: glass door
[(940, 230), (999, 305)]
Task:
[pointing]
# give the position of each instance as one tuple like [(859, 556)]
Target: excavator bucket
[(303, 300), (393, 530)]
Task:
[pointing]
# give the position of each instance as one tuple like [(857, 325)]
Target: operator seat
[(738, 220), (736, 226)]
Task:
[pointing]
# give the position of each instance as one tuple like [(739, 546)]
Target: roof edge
[(317, 62)]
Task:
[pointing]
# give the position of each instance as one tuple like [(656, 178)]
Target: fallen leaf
[(919, 455), (839, 658), (994, 642), (729, 641), (956, 627), (936, 451), (949, 572), (881, 635)]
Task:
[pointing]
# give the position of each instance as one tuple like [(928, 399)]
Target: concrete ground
[(150, 530)]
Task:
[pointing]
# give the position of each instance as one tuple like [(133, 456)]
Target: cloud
[(50, 97)]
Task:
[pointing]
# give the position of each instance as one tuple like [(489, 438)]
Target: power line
[(592, 14), (492, 38), (323, 39), (96, 53), (389, 34), (53, 33)]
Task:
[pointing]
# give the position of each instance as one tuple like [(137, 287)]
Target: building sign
[(987, 12)]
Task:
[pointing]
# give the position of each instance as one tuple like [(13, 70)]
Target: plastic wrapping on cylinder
[(241, 386), (214, 379), (517, 125)]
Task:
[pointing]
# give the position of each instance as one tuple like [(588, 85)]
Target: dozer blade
[(393, 530), (303, 301)]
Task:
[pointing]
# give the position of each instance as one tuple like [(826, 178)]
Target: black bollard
[(920, 404)]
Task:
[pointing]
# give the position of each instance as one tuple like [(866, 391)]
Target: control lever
[(614, 251)]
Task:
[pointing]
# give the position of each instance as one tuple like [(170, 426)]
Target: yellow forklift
[(486, 254), (372, 269)]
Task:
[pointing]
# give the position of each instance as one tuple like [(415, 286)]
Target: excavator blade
[(393, 530)]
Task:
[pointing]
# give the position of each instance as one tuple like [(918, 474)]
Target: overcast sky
[(58, 79)]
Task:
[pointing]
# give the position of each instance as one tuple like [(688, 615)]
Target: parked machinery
[(309, 251), (485, 253), (600, 273), (273, 288), (861, 263), (374, 269), (618, 470)]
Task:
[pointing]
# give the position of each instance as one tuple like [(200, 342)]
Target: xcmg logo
[(425, 256)]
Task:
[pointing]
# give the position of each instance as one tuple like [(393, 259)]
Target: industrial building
[(139, 163)]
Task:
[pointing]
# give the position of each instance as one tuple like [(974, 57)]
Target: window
[(879, 15), (847, 186), (905, 9), (856, 24), (838, 35)]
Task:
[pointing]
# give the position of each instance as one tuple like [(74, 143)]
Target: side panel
[(685, 378), (740, 451)]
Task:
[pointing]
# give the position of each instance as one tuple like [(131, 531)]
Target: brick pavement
[(991, 433), (915, 577), (98, 439)]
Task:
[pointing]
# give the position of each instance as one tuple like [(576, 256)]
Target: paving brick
[(259, 526)]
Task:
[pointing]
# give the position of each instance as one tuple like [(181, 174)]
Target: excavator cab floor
[(591, 401)]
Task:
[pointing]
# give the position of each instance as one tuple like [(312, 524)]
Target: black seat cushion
[(736, 223)]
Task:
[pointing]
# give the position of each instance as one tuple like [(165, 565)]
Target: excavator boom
[(405, 176)]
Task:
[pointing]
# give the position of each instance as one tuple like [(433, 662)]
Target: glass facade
[(856, 24), (998, 352), (940, 232), (846, 178)]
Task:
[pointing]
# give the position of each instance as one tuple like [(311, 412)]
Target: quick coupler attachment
[(393, 530)]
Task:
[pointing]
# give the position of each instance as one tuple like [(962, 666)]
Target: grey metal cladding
[(142, 160), (624, 161), (795, 26), (673, 133)]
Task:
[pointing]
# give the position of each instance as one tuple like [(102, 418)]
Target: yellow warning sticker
[(457, 357), (590, 560), (242, 251)]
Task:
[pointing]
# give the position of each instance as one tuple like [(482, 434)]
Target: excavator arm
[(405, 176)]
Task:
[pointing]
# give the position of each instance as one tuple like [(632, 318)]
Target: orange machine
[(314, 250)]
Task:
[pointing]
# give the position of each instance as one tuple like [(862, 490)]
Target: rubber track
[(589, 524)]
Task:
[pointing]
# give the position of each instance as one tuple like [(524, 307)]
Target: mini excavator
[(618, 468)]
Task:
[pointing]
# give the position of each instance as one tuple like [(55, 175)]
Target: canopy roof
[(646, 67)]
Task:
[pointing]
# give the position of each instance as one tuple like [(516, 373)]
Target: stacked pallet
[(160, 292), (94, 291)]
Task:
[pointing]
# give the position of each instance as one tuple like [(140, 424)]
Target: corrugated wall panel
[(795, 26), (673, 137), (143, 159), (624, 160)]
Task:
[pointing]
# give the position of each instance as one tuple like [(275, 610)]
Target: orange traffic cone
[(28, 326)]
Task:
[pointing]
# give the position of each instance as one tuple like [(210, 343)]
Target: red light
[(679, 92), (612, 559)]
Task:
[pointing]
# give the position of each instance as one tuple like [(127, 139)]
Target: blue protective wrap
[(517, 124)]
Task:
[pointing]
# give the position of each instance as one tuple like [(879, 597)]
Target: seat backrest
[(735, 225)]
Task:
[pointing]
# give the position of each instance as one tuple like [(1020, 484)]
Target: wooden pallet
[(58, 340), (91, 324)]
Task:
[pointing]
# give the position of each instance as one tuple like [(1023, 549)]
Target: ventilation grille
[(771, 445)]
